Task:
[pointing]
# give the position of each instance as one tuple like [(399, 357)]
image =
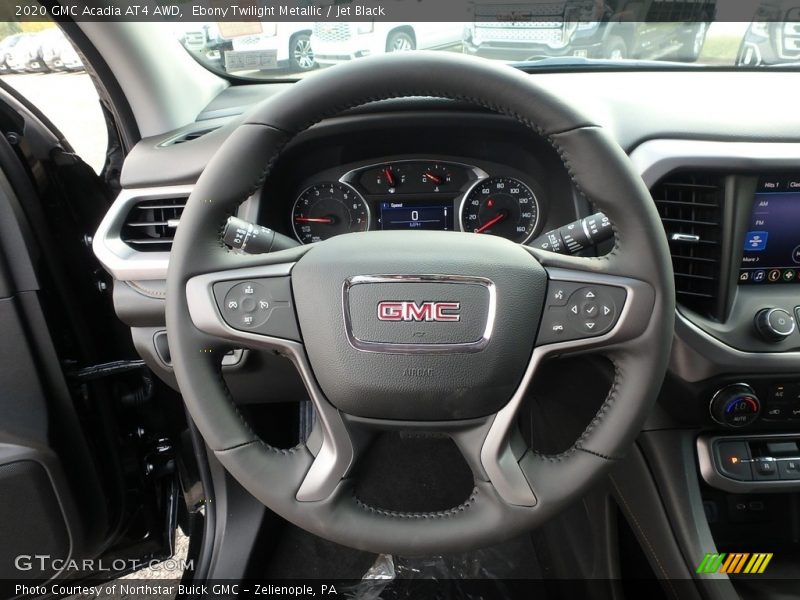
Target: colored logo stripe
[(735, 562), (758, 563), (711, 563)]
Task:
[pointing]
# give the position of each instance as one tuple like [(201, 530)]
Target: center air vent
[(150, 225), (690, 205)]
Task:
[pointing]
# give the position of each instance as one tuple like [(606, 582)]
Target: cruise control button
[(263, 306)]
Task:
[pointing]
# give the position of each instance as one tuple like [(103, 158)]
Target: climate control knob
[(735, 406), (774, 324)]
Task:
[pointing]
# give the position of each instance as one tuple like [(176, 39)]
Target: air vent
[(150, 225), (690, 205), (189, 136)]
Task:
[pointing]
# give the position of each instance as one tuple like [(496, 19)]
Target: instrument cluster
[(418, 194)]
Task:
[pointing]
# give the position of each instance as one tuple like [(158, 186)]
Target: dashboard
[(432, 171), (418, 194)]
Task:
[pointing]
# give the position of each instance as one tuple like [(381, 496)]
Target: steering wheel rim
[(515, 488)]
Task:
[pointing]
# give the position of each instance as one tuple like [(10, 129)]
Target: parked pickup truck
[(336, 42), (773, 38), (617, 29), (264, 45)]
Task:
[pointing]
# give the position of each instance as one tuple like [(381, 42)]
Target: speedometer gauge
[(501, 206), (328, 209)]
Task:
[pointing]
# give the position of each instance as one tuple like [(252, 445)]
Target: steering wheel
[(419, 330)]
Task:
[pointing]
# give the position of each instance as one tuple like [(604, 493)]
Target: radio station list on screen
[(771, 252), (434, 215)]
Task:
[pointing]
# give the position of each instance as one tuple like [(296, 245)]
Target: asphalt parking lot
[(70, 101)]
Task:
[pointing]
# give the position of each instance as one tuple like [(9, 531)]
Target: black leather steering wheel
[(464, 376)]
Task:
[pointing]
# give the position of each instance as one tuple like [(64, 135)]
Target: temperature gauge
[(436, 177)]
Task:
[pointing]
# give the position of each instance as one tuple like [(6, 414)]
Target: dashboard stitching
[(442, 514), (146, 291)]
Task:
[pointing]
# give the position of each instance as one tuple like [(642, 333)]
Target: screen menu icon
[(756, 241)]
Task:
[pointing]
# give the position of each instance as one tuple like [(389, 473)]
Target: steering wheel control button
[(774, 324), (733, 460), (559, 295), (735, 406), (262, 306), (588, 312)]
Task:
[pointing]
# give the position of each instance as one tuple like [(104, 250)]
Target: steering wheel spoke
[(253, 307), (583, 312)]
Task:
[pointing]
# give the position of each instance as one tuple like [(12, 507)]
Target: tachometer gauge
[(501, 206), (328, 209)]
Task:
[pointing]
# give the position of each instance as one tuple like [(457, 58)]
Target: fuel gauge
[(384, 179)]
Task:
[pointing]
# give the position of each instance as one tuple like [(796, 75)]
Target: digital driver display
[(772, 241), (436, 215)]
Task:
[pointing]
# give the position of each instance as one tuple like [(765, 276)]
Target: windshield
[(593, 33)]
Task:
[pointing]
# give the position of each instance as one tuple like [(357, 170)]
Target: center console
[(729, 439)]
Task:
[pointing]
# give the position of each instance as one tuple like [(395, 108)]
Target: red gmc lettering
[(424, 311)]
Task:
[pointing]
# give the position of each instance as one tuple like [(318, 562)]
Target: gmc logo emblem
[(424, 311)]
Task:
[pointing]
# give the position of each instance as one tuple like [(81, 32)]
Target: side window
[(39, 62)]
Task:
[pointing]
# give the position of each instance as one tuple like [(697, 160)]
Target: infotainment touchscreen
[(772, 240)]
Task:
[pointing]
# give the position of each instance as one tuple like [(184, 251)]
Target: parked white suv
[(336, 42), (268, 45)]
